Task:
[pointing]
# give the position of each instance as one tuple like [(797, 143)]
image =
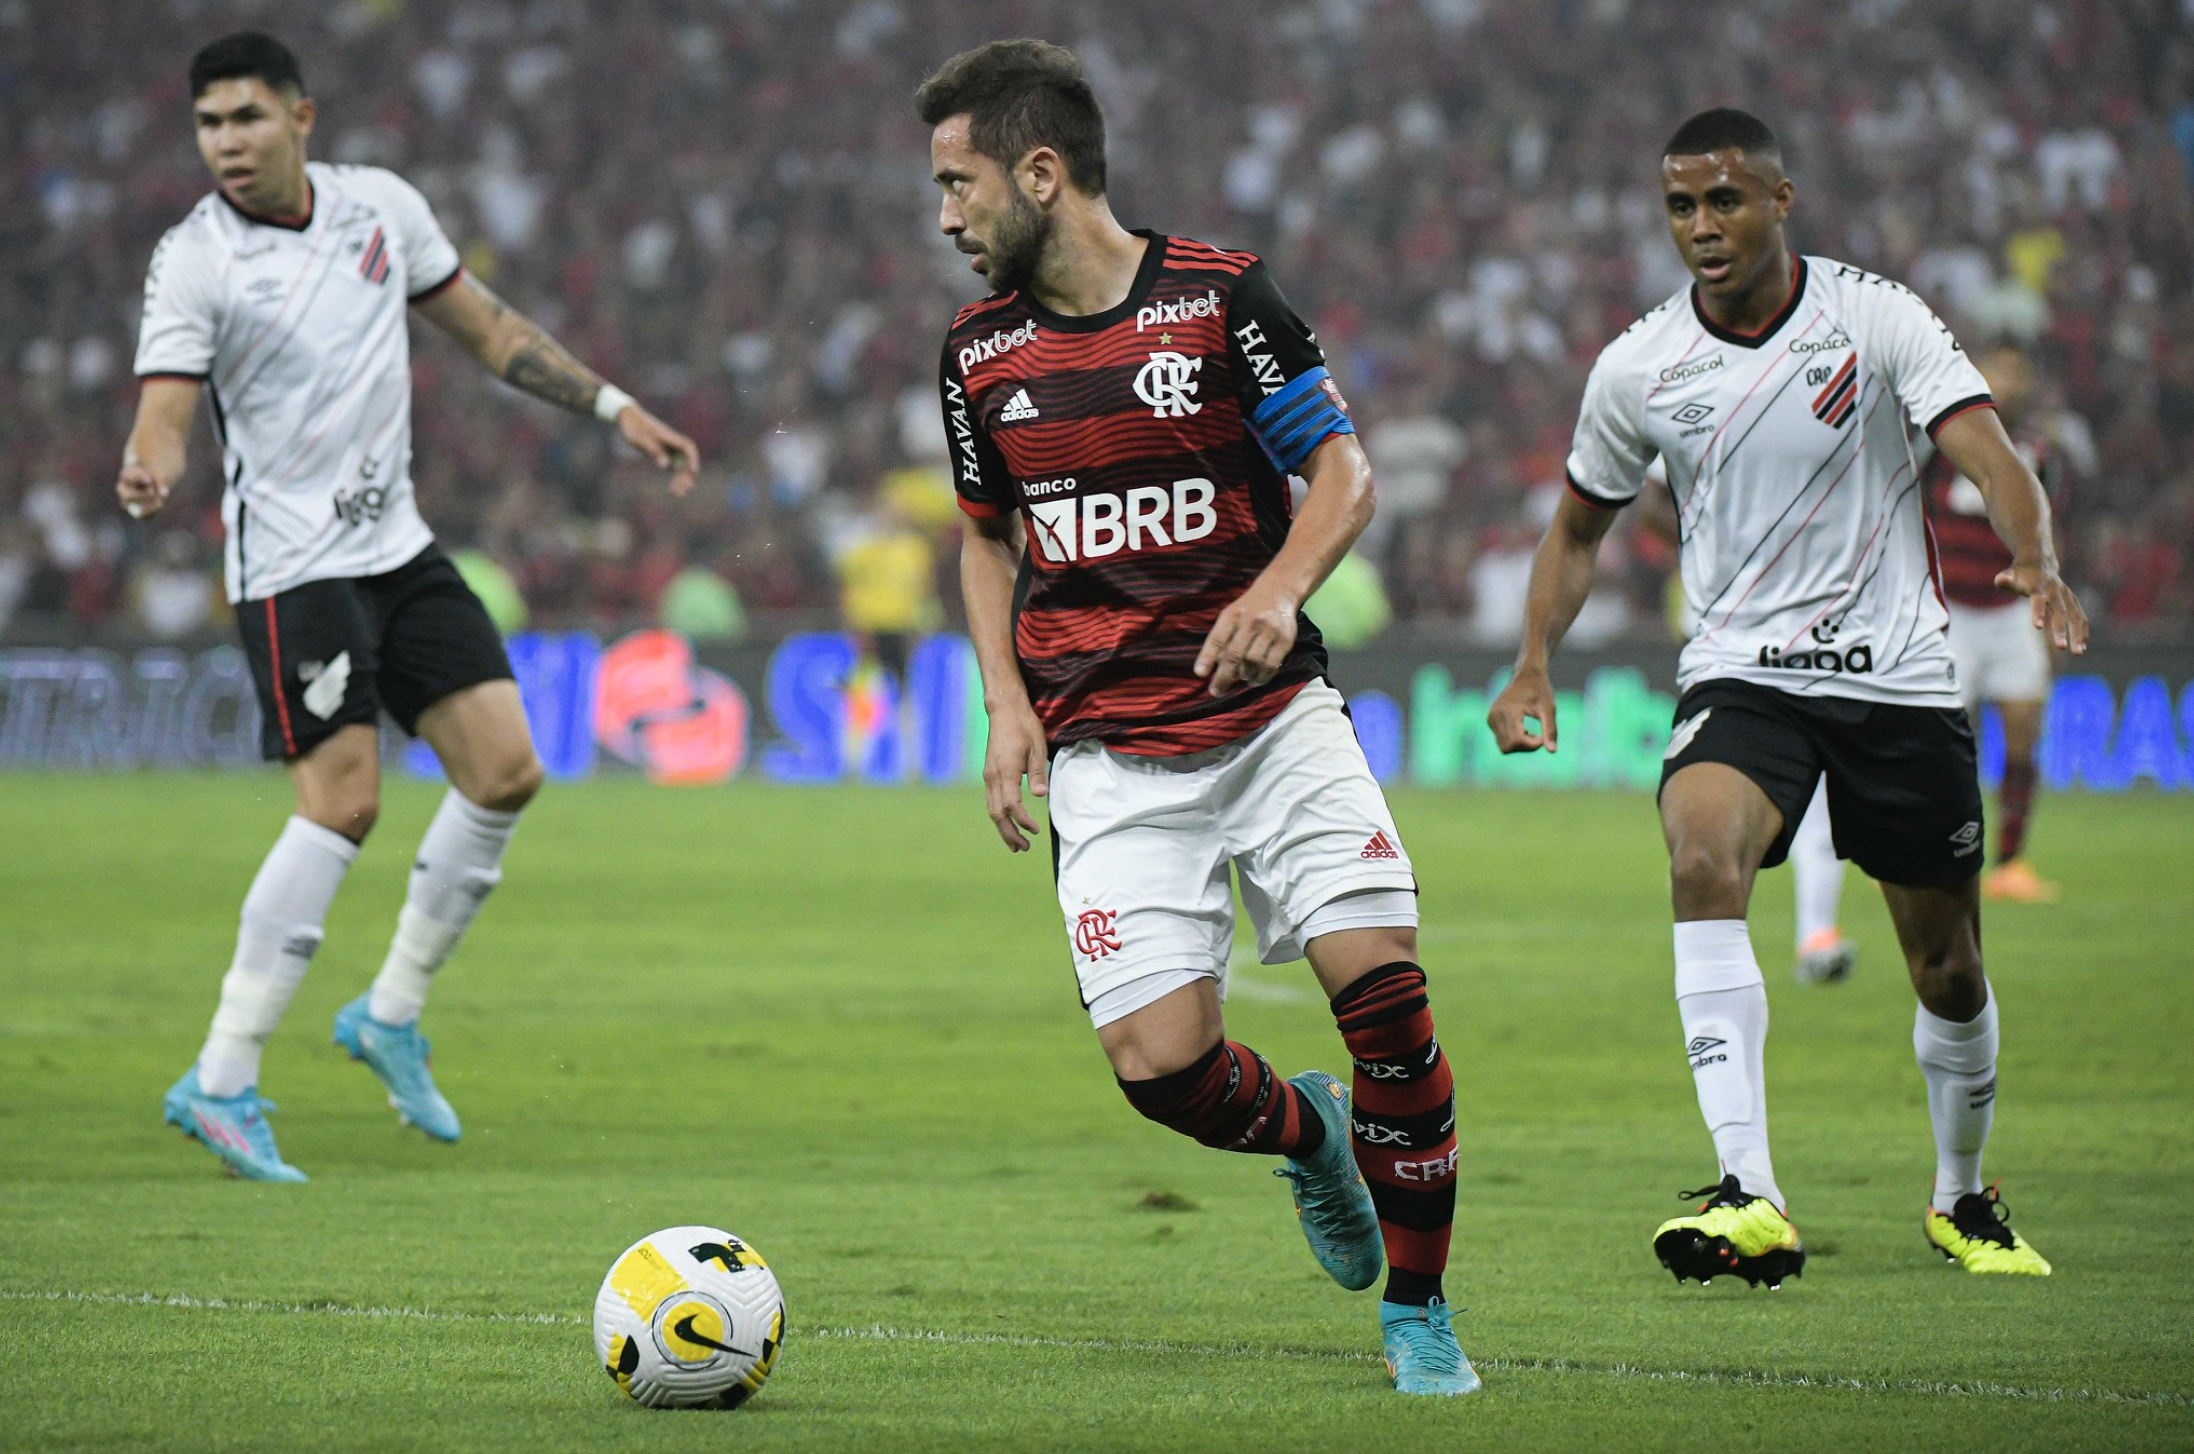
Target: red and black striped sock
[(1404, 1135), (2015, 798), (1230, 1099)]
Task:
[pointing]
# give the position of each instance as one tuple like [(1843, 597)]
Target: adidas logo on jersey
[(1017, 408), (1380, 846)]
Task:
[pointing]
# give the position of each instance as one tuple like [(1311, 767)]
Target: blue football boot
[(1331, 1200), (397, 1054), (233, 1128), (1422, 1355)]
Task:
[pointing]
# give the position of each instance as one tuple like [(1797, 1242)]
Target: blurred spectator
[(174, 594), (887, 583), (726, 206), (702, 604)]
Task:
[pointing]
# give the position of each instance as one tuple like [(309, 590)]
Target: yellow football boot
[(1977, 1236), (1734, 1234)]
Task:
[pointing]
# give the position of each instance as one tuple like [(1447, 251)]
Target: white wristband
[(610, 403)]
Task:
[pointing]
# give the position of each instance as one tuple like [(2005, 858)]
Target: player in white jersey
[(1778, 390), (283, 300)]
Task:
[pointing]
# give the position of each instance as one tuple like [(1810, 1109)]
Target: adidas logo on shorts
[(1017, 408), (1380, 846)]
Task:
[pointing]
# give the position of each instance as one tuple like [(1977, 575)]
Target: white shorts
[(2000, 656), (1144, 846)]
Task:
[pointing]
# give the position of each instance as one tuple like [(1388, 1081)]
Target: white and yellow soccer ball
[(690, 1317)]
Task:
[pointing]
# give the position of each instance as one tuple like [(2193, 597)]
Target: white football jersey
[(298, 332), (1806, 559)]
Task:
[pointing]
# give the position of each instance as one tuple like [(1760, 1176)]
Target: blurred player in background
[(2001, 657), (282, 300), (1125, 409), (1778, 390)]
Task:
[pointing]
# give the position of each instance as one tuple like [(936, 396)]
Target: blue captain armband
[(1295, 421)]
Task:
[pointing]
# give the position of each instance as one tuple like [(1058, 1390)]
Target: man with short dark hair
[(282, 300), (1125, 409), (1777, 390)]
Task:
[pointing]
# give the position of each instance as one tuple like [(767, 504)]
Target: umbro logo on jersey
[(325, 684), (1693, 413), (1680, 739), (1705, 1050), (1380, 846), (374, 266), (1017, 408), (1835, 404)]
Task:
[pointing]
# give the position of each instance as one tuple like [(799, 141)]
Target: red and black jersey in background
[(1968, 553), (1147, 448)]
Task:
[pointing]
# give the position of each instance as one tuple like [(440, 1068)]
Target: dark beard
[(1018, 247)]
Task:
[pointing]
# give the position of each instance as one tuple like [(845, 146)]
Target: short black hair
[(246, 53), (1022, 94), (1725, 129)]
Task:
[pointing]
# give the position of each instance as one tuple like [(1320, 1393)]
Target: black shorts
[(328, 654), (1904, 787)]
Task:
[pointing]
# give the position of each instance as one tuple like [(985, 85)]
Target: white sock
[(275, 941), (459, 865), (1723, 1002), (1959, 1062), (1816, 871)]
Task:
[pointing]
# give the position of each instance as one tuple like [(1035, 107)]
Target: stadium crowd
[(724, 205)]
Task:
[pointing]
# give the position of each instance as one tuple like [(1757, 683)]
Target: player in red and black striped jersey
[(1146, 447), (2000, 657), (1125, 411)]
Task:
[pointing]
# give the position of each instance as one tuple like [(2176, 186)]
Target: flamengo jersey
[(1967, 550), (1805, 555), (298, 332), (1147, 448)]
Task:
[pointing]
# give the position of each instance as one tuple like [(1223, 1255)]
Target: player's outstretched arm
[(1561, 578), (153, 459), (2018, 508), (516, 350), (1253, 636), (990, 558)]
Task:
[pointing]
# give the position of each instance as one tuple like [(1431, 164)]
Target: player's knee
[(1706, 877), (351, 813), (511, 784)]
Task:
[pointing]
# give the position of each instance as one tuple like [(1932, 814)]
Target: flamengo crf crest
[(1168, 384)]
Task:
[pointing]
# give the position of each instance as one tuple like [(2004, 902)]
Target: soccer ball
[(690, 1317)]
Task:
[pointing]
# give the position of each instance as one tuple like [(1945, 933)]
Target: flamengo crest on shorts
[(1806, 558)]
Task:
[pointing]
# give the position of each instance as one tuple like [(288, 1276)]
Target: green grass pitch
[(842, 1024)]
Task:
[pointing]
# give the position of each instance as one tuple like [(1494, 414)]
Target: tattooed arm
[(516, 350)]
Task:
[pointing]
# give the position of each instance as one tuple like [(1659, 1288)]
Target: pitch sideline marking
[(877, 1333)]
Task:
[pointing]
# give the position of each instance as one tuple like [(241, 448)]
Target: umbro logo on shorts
[(1019, 407), (1380, 846), (1967, 838), (1680, 739)]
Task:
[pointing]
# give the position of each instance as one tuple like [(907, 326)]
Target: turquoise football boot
[(1422, 1355), (1331, 1200), (233, 1128), (397, 1054)]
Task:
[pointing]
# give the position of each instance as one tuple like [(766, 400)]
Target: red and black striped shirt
[(1147, 448), (1968, 553)]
